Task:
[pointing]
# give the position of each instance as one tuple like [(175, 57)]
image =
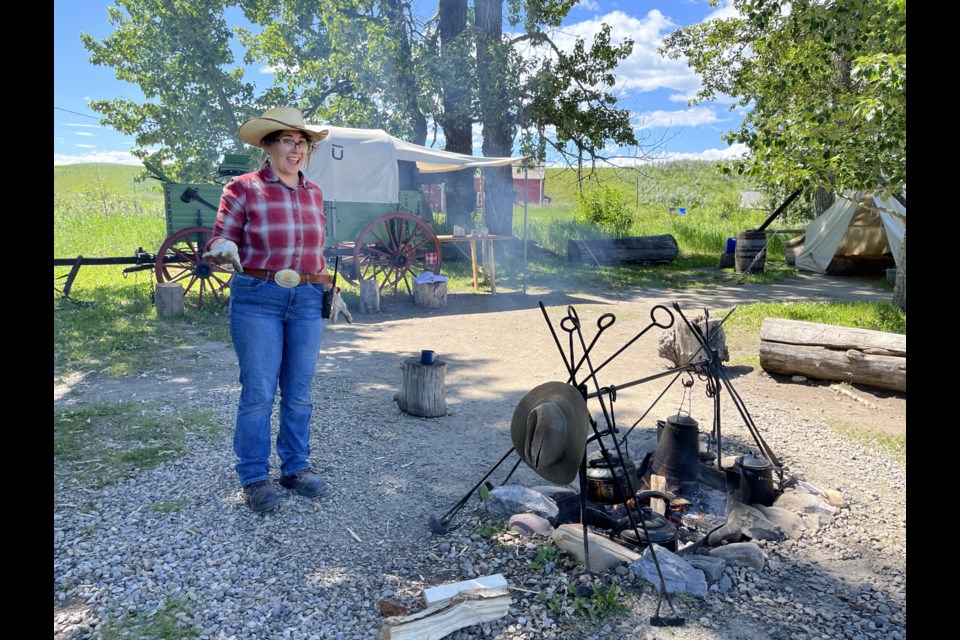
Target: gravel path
[(318, 569)]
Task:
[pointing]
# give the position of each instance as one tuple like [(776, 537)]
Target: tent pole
[(526, 195)]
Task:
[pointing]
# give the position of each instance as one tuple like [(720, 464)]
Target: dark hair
[(272, 137)]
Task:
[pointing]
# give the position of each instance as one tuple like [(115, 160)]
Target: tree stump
[(169, 299), (369, 296), (422, 390), (681, 346), (431, 295)]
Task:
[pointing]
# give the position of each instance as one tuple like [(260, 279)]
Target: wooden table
[(486, 248)]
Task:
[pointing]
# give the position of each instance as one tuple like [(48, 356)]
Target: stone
[(712, 567), (789, 522), (741, 554), (678, 574), (530, 524)]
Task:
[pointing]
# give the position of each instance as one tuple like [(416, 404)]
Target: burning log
[(827, 352)]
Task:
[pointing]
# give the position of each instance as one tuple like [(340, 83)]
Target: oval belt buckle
[(287, 278)]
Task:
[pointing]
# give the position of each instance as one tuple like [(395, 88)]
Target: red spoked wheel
[(394, 249), (180, 259)]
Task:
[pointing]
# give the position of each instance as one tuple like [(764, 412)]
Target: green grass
[(162, 624), (102, 443), (110, 324)]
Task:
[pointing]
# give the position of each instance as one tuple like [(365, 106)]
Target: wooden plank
[(658, 483), (444, 592), (438, 621)]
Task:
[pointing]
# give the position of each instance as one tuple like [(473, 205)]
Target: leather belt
[(305, 278)]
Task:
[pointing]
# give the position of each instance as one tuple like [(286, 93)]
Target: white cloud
[(693, 117), (645, 69), (588, 5), (83, 133), (85, 126), (97, 157)]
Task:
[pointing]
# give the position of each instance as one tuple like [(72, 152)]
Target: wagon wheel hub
[(203, 270)]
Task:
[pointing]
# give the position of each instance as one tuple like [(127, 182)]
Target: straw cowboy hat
[(549, 431), (253, 130)]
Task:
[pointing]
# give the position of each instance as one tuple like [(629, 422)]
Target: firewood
[(463, 610)]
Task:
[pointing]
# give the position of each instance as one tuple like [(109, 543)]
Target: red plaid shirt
[(275, 226)]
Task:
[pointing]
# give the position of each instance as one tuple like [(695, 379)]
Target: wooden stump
[(422, 390), (431, 295), (369, 296), (681, 346), (169, 299)]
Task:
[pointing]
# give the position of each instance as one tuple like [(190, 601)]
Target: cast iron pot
[(659, 530), (601, 486)]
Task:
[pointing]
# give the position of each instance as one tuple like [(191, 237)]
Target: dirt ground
[(501, 345)]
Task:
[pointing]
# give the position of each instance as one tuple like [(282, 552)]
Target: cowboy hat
[(549, 431), (253, 130)]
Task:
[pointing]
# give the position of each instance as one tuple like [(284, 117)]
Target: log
[(464, 610), (658, 483), (680, 346), (430, 295), (827, 352), (445, 592), (169, 299), (422, 391), (631, 250)]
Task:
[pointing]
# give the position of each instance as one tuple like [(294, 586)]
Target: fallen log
[(828, 352), (631, 250)]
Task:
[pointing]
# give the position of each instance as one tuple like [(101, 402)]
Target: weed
[(547, 553), (161, 624), (169, 506)]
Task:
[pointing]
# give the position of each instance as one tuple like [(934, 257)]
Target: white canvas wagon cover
[(360, 165)]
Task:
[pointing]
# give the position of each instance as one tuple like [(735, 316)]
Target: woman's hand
[(225, 251)]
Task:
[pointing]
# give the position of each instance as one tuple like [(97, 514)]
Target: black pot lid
[(753, 462), (596, 461), (682, 420), (659, 530)]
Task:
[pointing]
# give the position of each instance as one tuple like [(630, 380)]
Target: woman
[(270, 225)]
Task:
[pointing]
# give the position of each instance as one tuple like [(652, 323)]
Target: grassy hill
[(112, 179)]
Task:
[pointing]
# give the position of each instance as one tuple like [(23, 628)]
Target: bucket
[(731, 245), (749, 246)]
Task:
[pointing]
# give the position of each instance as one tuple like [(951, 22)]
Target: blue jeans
[(276, 333)]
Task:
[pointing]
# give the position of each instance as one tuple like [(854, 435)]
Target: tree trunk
[(457, 117), (492, 73), (900, 284), (822, 200)]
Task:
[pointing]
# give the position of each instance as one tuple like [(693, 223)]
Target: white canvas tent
[(360, 165), (857, 224)]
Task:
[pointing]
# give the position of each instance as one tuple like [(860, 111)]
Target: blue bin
[(731, 245)]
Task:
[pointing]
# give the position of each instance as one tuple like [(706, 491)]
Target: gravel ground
[(319, 568)]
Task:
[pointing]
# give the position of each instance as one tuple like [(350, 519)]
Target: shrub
[(606, 209)]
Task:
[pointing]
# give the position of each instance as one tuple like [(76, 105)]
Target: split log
[(422, 391), (827, 352), (169, 299), (431, 295), (464, 610), (444, 592), (631, 250)]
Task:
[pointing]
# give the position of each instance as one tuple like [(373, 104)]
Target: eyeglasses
[(292, 144)]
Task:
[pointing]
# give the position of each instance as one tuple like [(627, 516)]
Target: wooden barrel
[(750, 255)]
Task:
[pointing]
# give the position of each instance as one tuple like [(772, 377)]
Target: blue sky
[(653, 88)]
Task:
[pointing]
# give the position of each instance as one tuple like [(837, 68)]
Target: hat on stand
[(549, 431)]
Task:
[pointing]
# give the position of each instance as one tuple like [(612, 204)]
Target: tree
[(367, 63), (825, 85), (178, 53)]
